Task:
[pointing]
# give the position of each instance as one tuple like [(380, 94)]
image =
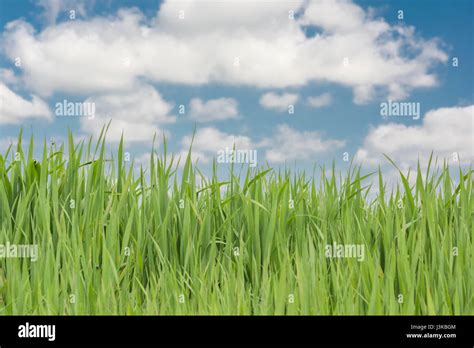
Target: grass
[(114, 241)]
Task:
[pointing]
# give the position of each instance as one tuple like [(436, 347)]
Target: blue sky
[(289, 61)]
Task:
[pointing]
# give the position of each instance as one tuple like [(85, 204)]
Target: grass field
[(113, 240)]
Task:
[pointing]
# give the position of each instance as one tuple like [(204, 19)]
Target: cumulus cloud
[(14, 109), (52, 8), (209, 140), (447, 132), (279, 102), (138, 114), (213, 110), (8, 76), (320, 101), (143, 159), (285, 145), (290, 144), (105, 54)]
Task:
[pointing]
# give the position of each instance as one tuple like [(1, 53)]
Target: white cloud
[(105, 54), (52, 8), (290, 144), (15, 109), (8, 76), (213, 110), (334, 16), (279, 102), (144, 159), (202, 17), (320, 101), (209, 140), (287, 144), (138, 114), (444, 131)]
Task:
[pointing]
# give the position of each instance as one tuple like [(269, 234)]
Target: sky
[(298, 82)]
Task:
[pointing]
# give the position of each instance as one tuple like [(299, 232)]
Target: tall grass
[(114, 241)]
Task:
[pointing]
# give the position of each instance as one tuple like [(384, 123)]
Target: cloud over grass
[(447, 132)]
